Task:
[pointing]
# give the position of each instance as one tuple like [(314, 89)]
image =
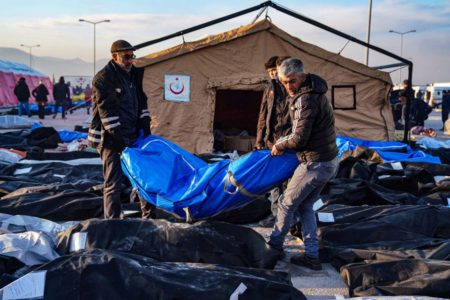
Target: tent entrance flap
[(235, 119)]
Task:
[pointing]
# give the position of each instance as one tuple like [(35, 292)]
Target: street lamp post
[(369, 21), (401, 44), (94, 23), (29, 49)]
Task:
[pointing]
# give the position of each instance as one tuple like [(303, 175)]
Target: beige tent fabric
[(235, 60)]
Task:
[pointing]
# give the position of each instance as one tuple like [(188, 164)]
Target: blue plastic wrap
[(178, 181), (388, 151)]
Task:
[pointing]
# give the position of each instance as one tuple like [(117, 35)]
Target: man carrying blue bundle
[(313, 137)]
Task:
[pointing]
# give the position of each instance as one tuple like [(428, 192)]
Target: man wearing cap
[(120, 114)]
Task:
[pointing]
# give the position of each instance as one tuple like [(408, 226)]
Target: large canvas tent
[(226, 77), (10, 72)]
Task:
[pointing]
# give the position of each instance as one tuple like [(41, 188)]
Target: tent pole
[(203, 25), (300, 17)]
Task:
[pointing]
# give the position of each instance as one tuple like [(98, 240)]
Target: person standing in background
[(22, 93), (88, 97), (445, 108), (273, 121), (61, 95), (40, 93), (69, 104)]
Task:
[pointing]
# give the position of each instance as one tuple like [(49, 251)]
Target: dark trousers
[(60, 103), (445, 112), (147, 209), (41, 111), (112, 189), (24, 105)]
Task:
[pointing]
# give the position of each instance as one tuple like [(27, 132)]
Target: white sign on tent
[(177, 87)]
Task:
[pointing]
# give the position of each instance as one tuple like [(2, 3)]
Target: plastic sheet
[(206, 242), (181, 183), (101, 274)]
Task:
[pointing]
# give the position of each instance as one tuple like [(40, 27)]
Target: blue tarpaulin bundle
[(388, 151), (69, 135), (181, 183)]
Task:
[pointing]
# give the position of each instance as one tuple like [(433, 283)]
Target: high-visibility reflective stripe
[(93, 139), (111, 126), (107, 120), (96, 132)]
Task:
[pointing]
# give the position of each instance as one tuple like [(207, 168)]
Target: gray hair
[(290, 66)]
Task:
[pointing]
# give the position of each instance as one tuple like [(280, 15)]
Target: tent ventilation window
[(343, 97)]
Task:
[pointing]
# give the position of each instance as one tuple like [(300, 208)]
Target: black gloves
[(147, 131)]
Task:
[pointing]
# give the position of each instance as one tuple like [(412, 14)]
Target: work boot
[(307, 262)]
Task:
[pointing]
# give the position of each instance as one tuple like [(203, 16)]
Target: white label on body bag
[(397, 165), (238, 291), (22, 171), (439, 178), (78, 241), (318, 204), (30, 286), (325, 217)]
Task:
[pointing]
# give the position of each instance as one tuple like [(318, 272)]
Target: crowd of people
[(419, 109), (62, 95)]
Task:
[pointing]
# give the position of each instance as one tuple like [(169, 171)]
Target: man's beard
[(126, 68)]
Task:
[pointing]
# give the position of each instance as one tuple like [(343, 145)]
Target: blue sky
[(54, 25)]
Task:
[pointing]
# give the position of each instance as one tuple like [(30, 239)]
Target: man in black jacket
[(120, 114), (313, 137), (22, 93), (61, 94), (273, 120), (40, 94)]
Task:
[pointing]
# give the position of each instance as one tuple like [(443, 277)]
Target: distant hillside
[(51, 66)]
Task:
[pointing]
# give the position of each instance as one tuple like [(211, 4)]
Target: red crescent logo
[(175, 91)]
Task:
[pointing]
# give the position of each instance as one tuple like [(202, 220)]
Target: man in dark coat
[(120, 114), (313, 137), (445, 108), (40, 93), (273, 120), (61, 95), (22, 93)]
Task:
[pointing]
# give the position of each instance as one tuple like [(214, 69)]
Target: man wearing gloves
[(120, 114), (313, 137)]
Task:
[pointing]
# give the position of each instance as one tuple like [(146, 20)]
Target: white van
[(433, 93)]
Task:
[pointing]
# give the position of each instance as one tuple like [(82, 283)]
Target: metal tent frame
[(296, 15)]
